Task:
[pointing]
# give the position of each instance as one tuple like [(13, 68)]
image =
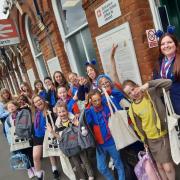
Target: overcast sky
[(2, 16)]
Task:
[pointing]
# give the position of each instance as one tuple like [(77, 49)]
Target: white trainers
[(30, 173), (91, 178)]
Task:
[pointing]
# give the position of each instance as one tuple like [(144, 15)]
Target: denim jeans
[(102, 166)]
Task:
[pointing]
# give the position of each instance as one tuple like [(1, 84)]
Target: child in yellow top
[(147, 113)]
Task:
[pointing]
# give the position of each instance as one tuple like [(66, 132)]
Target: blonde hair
[(5, 90)]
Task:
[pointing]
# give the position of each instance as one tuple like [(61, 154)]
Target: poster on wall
[(31, 76), (125, 57), (53, 65)]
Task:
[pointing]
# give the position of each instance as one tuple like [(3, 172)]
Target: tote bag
[(173, 128), (145, 168), (19, 161), (17, 143), (50, 143), (122, 133)]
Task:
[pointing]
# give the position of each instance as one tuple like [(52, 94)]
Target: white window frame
[(67, 44), (35, 56), (155, 14)]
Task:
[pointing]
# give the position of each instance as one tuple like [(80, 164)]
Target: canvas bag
[(122, 133), (68, 141), (19, 161), (50, 143), (86, 141), (145, 168), (173, 128), (17, 143)]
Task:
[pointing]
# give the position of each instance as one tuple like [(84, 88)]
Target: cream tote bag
[(50, 143), (122, 133), (51, 148), (17, 143), (173, 128)]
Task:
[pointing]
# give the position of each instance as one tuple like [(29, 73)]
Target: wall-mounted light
[(9, 3)]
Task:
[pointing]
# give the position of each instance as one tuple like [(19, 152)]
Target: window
[(36, 50), (74, 30)]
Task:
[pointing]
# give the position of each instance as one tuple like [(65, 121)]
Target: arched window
[(36, 50)]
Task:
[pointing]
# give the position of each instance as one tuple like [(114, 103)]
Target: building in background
[(64, 34)]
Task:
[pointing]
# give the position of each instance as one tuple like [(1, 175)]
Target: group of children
[(66, 99)]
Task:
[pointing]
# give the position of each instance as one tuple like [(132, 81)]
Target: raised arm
[(113, 72)]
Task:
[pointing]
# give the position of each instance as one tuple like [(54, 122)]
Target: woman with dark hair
[(26, 90), (92, 74), (168, 67), (60, 80), (39, 89), (51, 92)]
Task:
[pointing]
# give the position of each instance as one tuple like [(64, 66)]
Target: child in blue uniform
[(97, 117)]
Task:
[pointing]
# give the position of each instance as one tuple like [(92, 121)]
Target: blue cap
[(103, 76)]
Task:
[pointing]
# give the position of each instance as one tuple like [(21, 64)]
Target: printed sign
[(152, 40), (8, 32), (107, 12), (125, 57)]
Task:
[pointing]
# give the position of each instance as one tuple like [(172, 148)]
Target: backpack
[(23, 126), (68, 142), (85, 141)]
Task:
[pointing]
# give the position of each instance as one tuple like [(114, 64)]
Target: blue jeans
[(102, 166)]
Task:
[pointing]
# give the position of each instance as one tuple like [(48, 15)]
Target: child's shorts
[(160, 149), (38, 141)]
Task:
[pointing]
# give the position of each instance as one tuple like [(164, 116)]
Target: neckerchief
[(165, 66), (37, 119)]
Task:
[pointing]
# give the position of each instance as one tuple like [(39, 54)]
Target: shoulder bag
[(122, 133)]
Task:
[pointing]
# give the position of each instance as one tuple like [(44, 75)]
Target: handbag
[(145, 168), (50, 143), (85, 137), (19, 161), (17, 143), (120, 130), (173, 128)]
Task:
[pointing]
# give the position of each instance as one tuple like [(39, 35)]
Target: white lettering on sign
[(107, 12), (8, 33), (151, 37)]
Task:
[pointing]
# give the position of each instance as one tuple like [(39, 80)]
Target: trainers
[(91, 178), (30, 173), (42, 176), (56, 174)]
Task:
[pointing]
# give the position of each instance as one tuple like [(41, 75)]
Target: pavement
[(7, 174)]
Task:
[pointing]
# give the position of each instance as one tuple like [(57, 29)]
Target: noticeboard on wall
[(125, 57), (53, 65)]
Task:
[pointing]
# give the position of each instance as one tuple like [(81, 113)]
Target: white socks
[(54, 168)]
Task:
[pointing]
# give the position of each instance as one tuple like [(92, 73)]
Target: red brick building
[(63, 35)]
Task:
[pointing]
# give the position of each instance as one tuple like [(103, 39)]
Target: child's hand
[(75, 97), (76, 120), (49, 128), (82, 81)]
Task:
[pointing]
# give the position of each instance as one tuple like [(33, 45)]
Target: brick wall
[(49, 19), (138, 14)]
